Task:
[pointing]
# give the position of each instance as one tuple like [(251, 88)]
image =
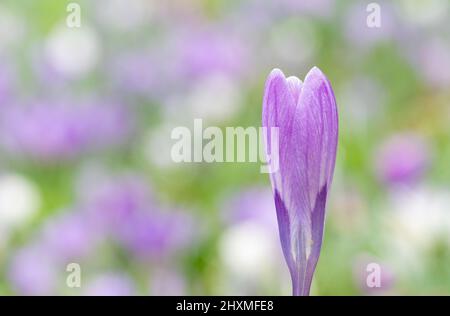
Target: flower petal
[(279, 105), (306, 115)]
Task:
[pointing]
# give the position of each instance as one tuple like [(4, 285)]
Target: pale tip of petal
[(295, 85), (294, 80), (314, 72), (276, 72)]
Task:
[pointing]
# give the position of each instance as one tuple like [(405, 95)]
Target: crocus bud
[(307, 121)]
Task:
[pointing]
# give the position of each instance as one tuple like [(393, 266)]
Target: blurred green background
[(86, 115)]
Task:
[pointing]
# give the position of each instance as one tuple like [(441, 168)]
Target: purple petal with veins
[(306, 117)]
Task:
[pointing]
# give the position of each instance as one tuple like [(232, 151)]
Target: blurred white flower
[(124, 15), (253, 261), (19, 200), (247, 249), (350, 208), (12, 28), (250, 249), (73, 52), (157, 144), (364, 100), (424, 13), (417, 220), (4, 238), (293, 43), (214, 98)]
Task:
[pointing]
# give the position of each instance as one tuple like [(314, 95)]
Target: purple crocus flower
[(307, 121)]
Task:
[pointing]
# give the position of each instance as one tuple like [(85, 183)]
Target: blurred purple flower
[(358, 32), (44, 72), (110, 284), (249, 16), (255, 14), (113, 201), (137, 73), (32, 272), (124, 208), (321, 8), (402, 159), (69, 237), (367, 269), (254, 204), (433, 57), (167, 283), (210, 52), (156, 234), (194, 51), (54, 131), (6, 83), (306, 116), (144, 73)]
